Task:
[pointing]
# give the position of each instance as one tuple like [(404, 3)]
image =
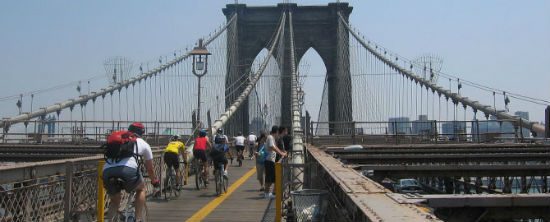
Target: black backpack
[(120, 145)]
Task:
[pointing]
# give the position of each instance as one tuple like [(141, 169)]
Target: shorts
[(200, 154), (239, 148), (269, 171), (260, 172), (171, 160), (131, 175)]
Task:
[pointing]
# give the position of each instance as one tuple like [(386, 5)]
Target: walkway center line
[(208, 208)]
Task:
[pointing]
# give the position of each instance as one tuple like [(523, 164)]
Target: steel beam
[(442, 158), (475, 200), (464, 170)]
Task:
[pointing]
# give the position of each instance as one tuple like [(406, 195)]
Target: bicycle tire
[(168, 187), (197, 177), (225, 184), (218, 183)]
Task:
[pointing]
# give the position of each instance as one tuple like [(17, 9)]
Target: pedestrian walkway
[(244, 201)]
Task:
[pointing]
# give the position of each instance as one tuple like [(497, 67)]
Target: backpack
[(261, 155), (219, 142), (120, 145)]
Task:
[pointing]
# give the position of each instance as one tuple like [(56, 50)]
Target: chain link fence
[(71, 194)]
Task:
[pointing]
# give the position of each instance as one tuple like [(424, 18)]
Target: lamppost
[(265, 116), (200, 67)]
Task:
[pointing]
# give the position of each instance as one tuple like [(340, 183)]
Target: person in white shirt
[(251, 143), (239, 146), (127, 169), (271, 150)]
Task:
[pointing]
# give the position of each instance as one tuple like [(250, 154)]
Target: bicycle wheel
[(225, 184), (168, 186), (218, 183), (198, 176), (175, 189)]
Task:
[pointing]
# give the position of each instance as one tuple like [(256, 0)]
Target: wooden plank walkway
[(246, 203)]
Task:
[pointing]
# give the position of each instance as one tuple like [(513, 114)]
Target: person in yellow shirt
[(171, 152)]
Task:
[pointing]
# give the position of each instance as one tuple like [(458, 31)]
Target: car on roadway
[(407, 186)]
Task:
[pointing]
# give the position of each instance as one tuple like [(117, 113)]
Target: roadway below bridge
[(243, 202)]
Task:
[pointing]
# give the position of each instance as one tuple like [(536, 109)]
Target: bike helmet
[(175, 138), (220, 130), (202, 133), (137, 128)]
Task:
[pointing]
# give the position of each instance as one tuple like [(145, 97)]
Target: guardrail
[(62, 131), (56, 190), (420, 131)]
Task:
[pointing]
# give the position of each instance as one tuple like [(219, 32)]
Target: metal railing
[(57, 190), (62, 131), (420, 131)]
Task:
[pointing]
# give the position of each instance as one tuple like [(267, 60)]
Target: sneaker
[(225, 174), (269, 196)]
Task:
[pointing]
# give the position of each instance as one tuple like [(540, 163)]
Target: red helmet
[(137, 128), (120, 137)]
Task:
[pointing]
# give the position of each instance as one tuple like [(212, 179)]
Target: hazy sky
[(500, 43)]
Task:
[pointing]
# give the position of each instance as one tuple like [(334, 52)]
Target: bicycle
[(200, 175), (240, 156), (171, 188), (129, 213), (221, 180)]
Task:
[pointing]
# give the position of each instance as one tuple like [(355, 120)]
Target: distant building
[(423, 126), (454, 130), (524, 131), (483, 131), (399, 125)]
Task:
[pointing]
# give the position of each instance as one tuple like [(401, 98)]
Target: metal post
[(100, 193), (68, 188), (353, 131), (278, 192), (547, 123), (199, 103), (521, 129)]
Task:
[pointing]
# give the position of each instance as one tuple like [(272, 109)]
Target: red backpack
[(120, 145)]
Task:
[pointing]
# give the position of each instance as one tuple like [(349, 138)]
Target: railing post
[(186, 169), (100, 192), (353, 132), (68, 190), (278, 192)]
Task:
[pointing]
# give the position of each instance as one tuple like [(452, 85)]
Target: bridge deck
[(244, 201)]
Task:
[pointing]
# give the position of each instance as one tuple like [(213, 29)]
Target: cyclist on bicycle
[(127, 170), (199, 150), (171, 159), (251, 144), (220, 148), (239, 146)]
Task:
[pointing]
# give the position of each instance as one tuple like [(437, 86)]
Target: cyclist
[(220, 148), (127, 169), (251, 144), (199, 150), (171, 159), (239, 146)]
